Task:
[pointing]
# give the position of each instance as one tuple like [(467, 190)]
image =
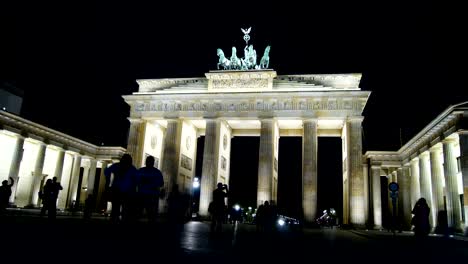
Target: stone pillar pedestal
[(91, 176), (451, 184), (404, 197), (171, 157), (100, 202), (415, 187), (210, 164), (437, 175), (376, 196), (59, 165), (15, 166), (73, 186), (357, 186), (426, 186), (136, 140), (266, 161), (464, 169), (36, 183), (309, 170)]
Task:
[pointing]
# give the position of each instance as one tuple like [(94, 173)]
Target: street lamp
[(195, 185)]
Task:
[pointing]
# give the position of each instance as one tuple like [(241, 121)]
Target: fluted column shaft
[(437, 174), (73, 186), (136, 140), (171, 156), (36, 183), (91, 176), (102, 187), (415, 187), (376, 196), (464, 169), (15, 165), (404, 197), (425, 182), (210, 164), (451, 184), (59, 164), (265, 161), (357, 185), (309, 170)]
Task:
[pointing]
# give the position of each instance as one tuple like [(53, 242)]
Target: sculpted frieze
[(249, 105), (239, 83)]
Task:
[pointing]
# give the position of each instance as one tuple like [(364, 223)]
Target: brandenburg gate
[(167, 116)]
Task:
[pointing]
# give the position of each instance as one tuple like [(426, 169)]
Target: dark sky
[(74, 61)]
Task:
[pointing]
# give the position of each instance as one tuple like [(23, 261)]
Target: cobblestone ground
[(73, 240)]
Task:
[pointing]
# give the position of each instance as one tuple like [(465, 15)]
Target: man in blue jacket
[(150, 181)]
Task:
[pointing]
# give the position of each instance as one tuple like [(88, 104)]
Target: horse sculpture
[(235, 61), (265, 61), (225, 63)]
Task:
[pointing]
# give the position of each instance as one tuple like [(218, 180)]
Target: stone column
[(415, 187), (426, 186), (73, 186), (404, 197), (376, 196), (464, 169), (309, 170), (91, 176), (266, 160), (136, 140), (100, 203), (437, 174), (451, 185), (210, 164), (59, 164), (171, 156), (36, 182), (357, 186), (15, 165)]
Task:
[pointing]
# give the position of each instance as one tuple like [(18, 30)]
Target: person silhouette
[(49, 204), (219, 207), (149, 182), (122, 187), (56, 188), (5, 193), (421, 218)]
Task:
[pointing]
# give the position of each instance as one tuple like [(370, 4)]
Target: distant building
[(11, 98)]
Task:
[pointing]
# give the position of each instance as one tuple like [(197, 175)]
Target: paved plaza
[(71, 239)]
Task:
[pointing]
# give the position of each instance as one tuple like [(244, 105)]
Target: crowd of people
[(133, 192)]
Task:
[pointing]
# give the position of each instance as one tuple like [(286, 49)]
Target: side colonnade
[(434, 166), (32, 153)]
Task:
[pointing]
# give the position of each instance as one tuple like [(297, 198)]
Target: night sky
[(74, 61)]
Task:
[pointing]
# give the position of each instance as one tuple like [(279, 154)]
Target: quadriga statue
[(223, 61), (265, 61), (235, 61)]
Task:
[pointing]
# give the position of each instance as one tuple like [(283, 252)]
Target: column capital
[(415, 159), (354, 119), (436, 148), (135, 120), (424, 154), (376, 167), (449, 140)]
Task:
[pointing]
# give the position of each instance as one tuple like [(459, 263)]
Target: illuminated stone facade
[(31, 153), (225, 104), (432, 165)]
